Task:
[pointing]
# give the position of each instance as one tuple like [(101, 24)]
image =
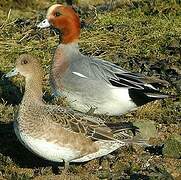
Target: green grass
[(137, 35)]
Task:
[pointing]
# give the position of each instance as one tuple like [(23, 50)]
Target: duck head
[(65, 19), (27, 66)]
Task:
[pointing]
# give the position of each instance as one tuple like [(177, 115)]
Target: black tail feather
[(140, 97)]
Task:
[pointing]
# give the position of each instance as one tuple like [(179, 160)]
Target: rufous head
[(65, 19)]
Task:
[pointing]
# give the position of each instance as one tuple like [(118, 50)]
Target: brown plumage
[(57, 133)]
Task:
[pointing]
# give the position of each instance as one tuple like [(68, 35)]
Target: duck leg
[(66, 166)]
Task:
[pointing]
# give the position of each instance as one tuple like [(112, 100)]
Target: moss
[(172, 146), (139, 35), (21, 4)]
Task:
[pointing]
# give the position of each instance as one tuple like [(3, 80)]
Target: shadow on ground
[(9, 93), (11, 147), (12, 94)]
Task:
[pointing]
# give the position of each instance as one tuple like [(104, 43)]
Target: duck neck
[(70, 31), (33, 89), (70, 36)]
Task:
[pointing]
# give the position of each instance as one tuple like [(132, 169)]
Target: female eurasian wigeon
[(89, 82), (56, 133)]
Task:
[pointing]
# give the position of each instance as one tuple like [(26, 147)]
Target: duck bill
[(44, 24), (12, 73)]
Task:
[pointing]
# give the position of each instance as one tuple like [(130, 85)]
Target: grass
[(141, 36)]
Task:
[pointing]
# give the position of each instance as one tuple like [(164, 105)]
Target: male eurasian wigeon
[(59, 134), (89, 82)]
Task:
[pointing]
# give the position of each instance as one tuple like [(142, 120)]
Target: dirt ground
[(138, 35)]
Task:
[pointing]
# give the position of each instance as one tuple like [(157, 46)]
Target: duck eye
[(57, 14), (24, 62)]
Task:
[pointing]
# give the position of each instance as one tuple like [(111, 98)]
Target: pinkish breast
[(59, 67)]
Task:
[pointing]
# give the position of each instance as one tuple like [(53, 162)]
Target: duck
[(57, 133), (88, 82)]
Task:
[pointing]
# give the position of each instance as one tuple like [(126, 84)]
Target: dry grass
[(137, 36)]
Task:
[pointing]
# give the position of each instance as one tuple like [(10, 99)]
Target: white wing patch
[(79, 74)]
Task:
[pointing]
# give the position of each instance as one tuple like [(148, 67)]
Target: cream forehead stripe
[(50, 10)]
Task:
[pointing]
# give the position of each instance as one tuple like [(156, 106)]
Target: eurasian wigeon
[(89, 82), (58, 134)]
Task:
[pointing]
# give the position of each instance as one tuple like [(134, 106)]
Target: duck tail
[(123, 126), (126, 132)]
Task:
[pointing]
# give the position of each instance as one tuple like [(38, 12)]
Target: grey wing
[(119, 77), (116, 75), (92, 69)]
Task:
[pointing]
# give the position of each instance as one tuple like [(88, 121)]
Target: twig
[(26, 35), (9, 13), (3, 25)]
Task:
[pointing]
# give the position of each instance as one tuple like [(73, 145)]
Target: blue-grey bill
[(13, 72), (44, 24)]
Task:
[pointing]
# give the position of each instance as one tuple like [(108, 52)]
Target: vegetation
[(139, 35)]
